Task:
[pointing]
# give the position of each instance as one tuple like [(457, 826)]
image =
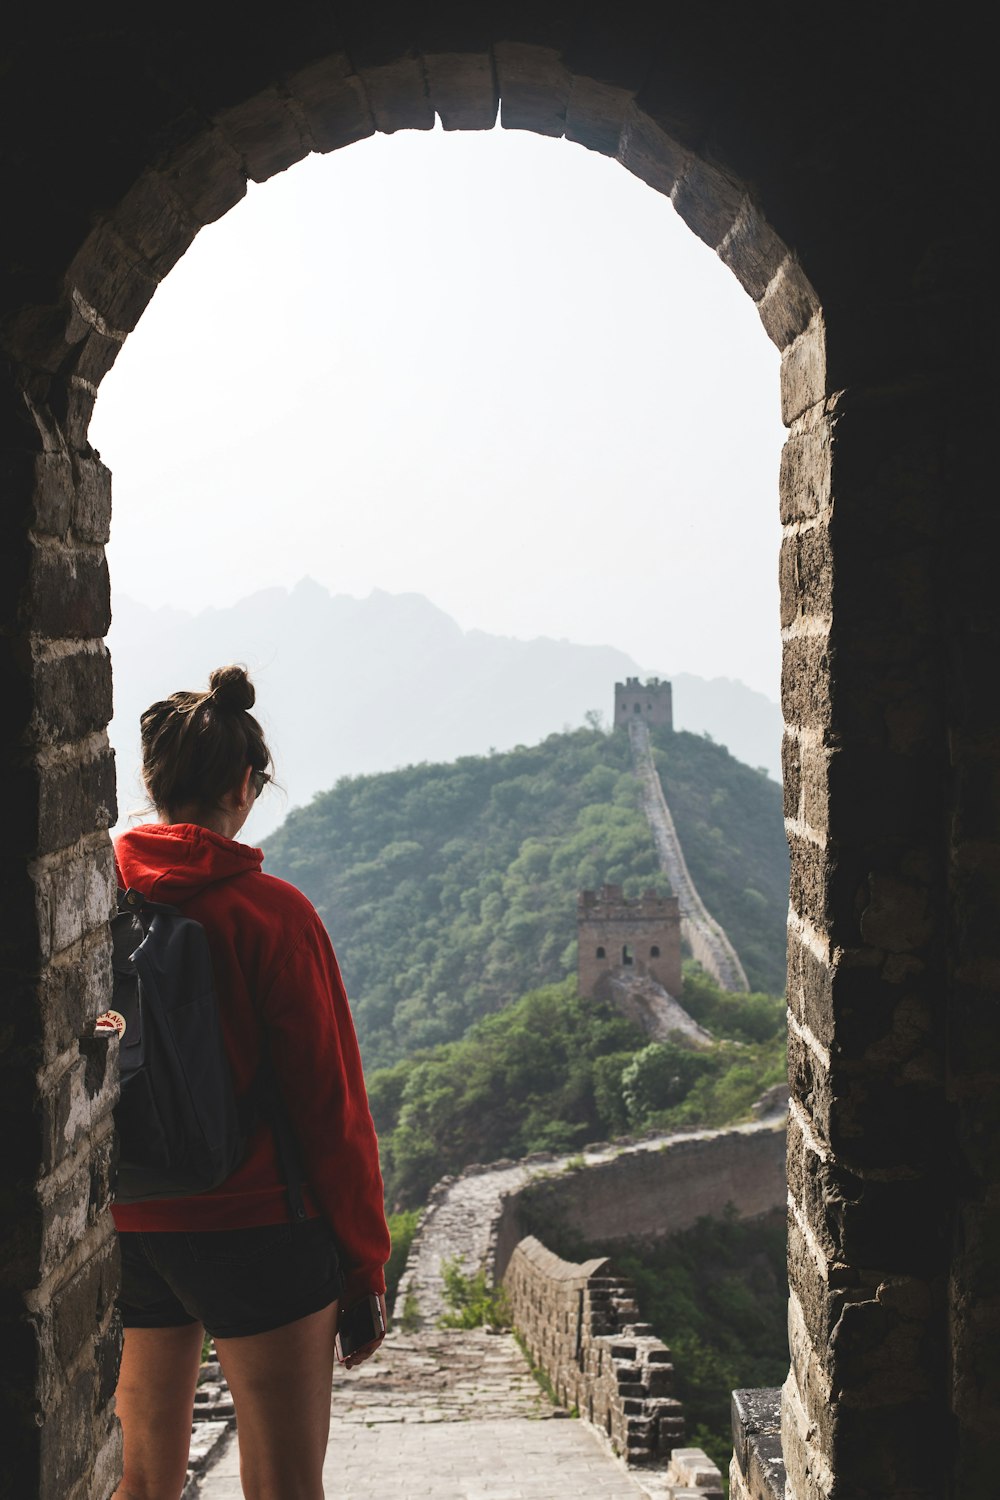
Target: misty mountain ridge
[(349, 686)]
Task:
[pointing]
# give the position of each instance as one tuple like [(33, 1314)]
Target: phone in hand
[(360, 1324)]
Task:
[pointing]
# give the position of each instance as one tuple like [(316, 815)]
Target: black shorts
[(234, 1282)]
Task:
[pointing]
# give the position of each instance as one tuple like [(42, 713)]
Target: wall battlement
[(616, 936), (651, 702)]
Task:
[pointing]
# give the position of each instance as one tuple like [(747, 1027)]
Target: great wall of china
[(703, 934)]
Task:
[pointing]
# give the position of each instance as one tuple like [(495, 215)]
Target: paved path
[(450, 1416)]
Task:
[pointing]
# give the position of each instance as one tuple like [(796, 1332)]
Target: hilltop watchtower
[(651, 701), (633, 937)]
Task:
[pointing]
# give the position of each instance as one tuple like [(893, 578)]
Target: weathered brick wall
[(581, 1325), (865, 797), (647, 1195), (58, 1269)]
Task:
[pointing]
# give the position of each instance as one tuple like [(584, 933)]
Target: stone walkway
[(707, 939), (445, 1415)]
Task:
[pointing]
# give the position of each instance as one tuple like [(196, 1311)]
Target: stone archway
[(765, 139)]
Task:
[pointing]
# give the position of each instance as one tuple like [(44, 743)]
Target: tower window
[(601, 953), (626, 956), (654, 952)]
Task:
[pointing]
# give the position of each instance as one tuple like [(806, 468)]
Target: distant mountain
[(353, 686)]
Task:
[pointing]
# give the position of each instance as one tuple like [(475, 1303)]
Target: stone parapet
[(580, 1324), (757, 1468)]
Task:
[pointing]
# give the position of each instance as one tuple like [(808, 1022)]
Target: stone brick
[(803, 373), (70, 592), (112, 280), (805, 681), (72, 694), (595, 114), (752, 250), (264, 134), (811, 869), (805, 572), (708, 201), (788, 307), (92, 501), (791, 774), (462, 88), (207, 175), (753, 1413), (79, 1205), (809, 989), (649, 153), (333, 101), (79, 1099), (75, 895), (76, 409), (534, 86), (397, 95), (152, 220), (804, 480), (67, 1441), (56, 800), (53, 497), (82, 1306), (815, 772)]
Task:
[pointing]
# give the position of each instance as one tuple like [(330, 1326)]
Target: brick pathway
[(449, 1416)]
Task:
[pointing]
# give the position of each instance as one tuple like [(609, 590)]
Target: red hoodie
[(274, 965)]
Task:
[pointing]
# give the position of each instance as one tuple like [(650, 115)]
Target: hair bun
[(232, 689)]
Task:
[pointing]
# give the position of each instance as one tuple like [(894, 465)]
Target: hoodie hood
[(172, 862)]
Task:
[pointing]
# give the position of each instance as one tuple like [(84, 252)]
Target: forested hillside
[(450, 890), (552, 1072)]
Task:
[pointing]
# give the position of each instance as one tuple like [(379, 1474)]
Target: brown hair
[(196, 746)]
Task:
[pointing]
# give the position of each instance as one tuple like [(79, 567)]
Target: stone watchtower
[(617, 936), (651, 702)]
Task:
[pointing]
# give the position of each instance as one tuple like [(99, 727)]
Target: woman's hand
[(365, 1351)]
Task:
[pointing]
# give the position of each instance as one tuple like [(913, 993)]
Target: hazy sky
[(491, 368)]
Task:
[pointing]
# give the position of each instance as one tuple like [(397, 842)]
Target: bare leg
[(155, 1398), (280, 1383)]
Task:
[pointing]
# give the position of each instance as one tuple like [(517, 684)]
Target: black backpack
[(180, 1128)]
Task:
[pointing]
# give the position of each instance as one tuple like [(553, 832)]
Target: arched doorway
[(150, 132)]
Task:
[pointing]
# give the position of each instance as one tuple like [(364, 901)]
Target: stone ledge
[(757, 1470)]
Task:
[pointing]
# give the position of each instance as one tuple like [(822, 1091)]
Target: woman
[(230, 1262)]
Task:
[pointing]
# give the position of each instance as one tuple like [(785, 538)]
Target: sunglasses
[(258, 780)]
